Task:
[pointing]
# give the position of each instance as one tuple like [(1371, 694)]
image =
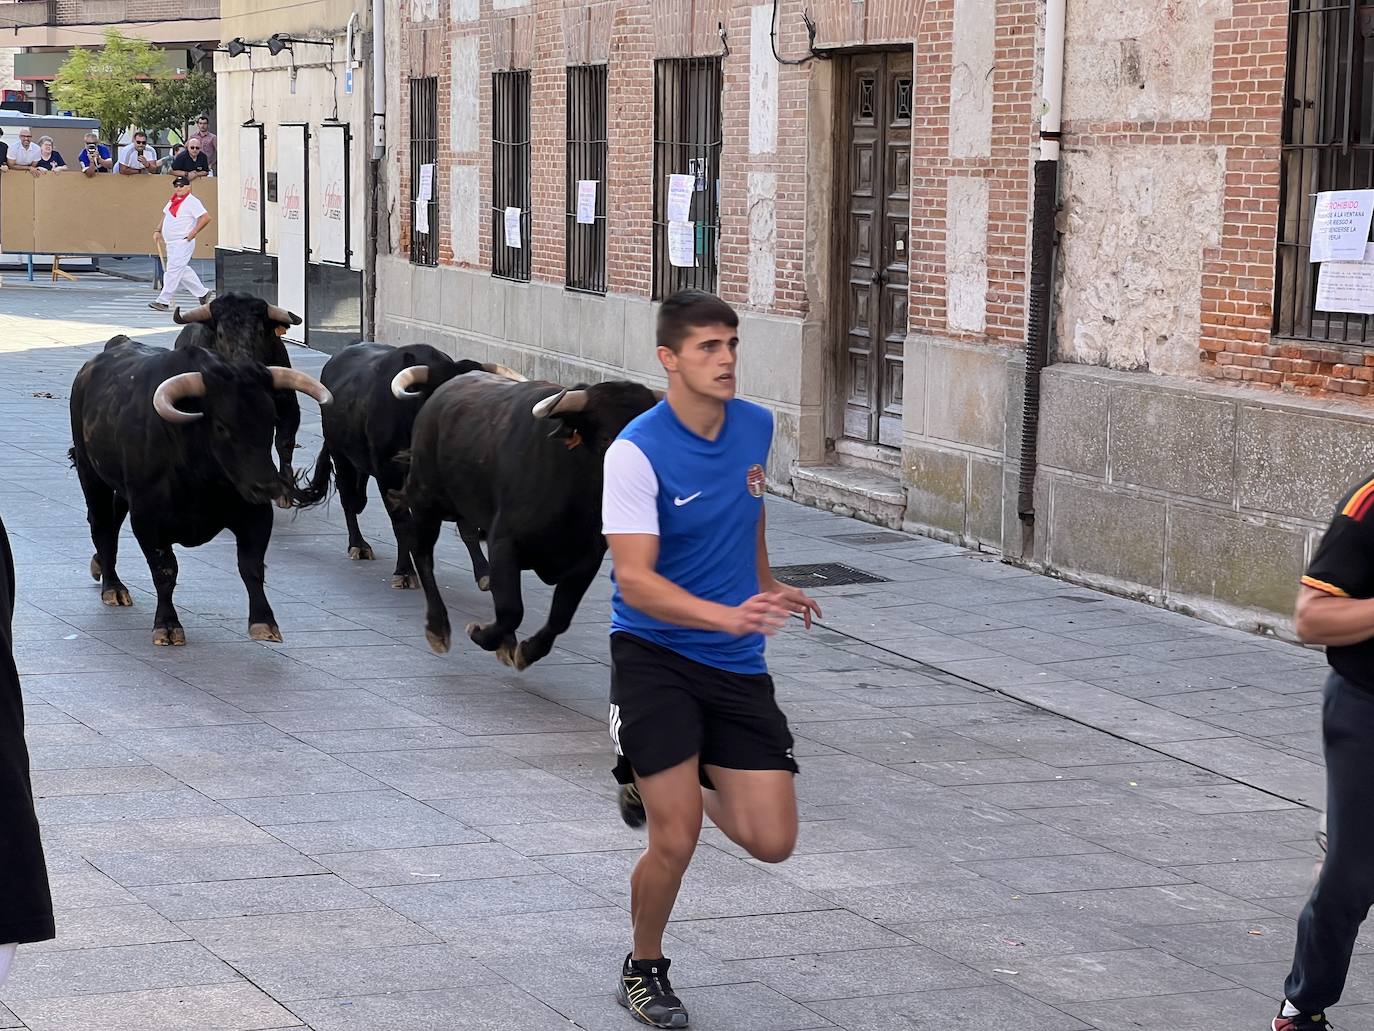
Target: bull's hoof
[(116, 597), (405, 582), (96, 573), (438, 643), (484, 583), (363, 554), (264, 632), (169, 636), (513, 656), (283, 503)]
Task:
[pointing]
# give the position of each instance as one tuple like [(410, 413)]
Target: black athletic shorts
[(666, 708)]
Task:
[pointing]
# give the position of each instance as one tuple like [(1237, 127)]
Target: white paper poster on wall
[(682, 244), (1340, 225), (331, 222), (1347, 285), (512, 221), (292, 232), (680, 188), (586, 201), (424, 193), (250, 187)]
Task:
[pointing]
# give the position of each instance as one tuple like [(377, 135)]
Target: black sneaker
[(644, 991), (632, 807), (1301, 1022)]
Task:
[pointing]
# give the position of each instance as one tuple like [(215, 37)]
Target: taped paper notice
[(422, 217), (513, 228), (680, 197), (586, 201), (1340, 225), (682, 244), (426, 192), (1347, 285)]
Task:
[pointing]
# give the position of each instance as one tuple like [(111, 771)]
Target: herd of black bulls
[(180, 441)]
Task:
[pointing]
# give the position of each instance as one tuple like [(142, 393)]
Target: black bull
[(367, 427), (242, 327), (179, 441), (482, 455)]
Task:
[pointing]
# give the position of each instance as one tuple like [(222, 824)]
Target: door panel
[(876, 193), (293, 238)]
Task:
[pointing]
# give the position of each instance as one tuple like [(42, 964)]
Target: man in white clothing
[(26, 153), (137, 158), (182, 218)]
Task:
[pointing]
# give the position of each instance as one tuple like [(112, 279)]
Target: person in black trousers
[(1336, 608), (25, 900)]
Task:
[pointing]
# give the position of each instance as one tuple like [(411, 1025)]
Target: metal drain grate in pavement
[(879, 537), (825, 574)]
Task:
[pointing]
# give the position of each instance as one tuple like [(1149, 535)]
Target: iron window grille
[(424, 150), (585, 243), (510, 172), (687, 141), (1328, 144)]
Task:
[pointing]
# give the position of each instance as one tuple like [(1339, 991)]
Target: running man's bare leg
[(756, 809), (672, 800)]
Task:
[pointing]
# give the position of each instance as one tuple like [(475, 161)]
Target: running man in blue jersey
[(693, 714)]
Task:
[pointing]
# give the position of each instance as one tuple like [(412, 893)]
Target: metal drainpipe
[(1041, 300), (375, 200)]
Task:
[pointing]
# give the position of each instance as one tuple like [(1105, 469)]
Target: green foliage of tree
[(109, 83), (172, 103)]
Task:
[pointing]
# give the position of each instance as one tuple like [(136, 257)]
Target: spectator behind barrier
[(26, 153), (50, 160), (209, 143), (191, 161), (95, 156), (137, 158), (164, 165)]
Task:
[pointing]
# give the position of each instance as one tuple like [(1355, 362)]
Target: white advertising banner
[(331, 221), (292, 234), (250, 187)]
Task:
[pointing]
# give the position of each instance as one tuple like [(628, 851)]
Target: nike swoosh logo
[(679, 502)]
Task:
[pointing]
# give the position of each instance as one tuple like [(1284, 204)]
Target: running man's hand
[(762, 614), (797, 602)]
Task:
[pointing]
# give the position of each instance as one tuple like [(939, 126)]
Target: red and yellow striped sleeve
[(1324, 587)]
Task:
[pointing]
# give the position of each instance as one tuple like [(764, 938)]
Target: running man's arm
[(635, 555), (795, 599), (1330, 619), (1334, 604), (201, 223)]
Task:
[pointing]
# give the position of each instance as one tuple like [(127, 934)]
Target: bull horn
[(501, 370), (284, 378), (282, 315), (173, 389), (561, 404), (198, 314), (415, 376)]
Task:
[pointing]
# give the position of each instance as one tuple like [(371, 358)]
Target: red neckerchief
[(174, 204)]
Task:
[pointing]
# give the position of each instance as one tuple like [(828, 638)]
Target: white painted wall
[(763, 82), (966, 262), (272, 103), (970, 88)]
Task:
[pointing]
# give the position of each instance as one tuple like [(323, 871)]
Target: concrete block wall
[(1205, 497)]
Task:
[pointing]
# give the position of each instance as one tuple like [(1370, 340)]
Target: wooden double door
[(874, 194)]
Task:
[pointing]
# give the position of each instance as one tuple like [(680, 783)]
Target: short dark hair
[(691, 309)]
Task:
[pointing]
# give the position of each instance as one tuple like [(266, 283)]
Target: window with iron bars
[(510, 175), (585, 242), (687, 141), (424, 150), (1328, 144)]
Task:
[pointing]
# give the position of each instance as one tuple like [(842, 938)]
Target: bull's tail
[(317, 489)]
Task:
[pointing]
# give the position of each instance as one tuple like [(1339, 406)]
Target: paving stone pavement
[(1026, 805)]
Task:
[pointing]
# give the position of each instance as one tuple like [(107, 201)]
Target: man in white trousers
[(182, 218)]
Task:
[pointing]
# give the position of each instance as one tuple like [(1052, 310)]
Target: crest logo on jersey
[(755, 480)]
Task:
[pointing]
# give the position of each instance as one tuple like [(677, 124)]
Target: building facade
[(856, 179), (295, 162)]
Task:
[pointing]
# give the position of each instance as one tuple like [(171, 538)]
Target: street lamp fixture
[(278, 42), (236, 47)]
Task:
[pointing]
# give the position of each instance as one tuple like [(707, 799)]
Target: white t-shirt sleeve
[(629, 493)]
